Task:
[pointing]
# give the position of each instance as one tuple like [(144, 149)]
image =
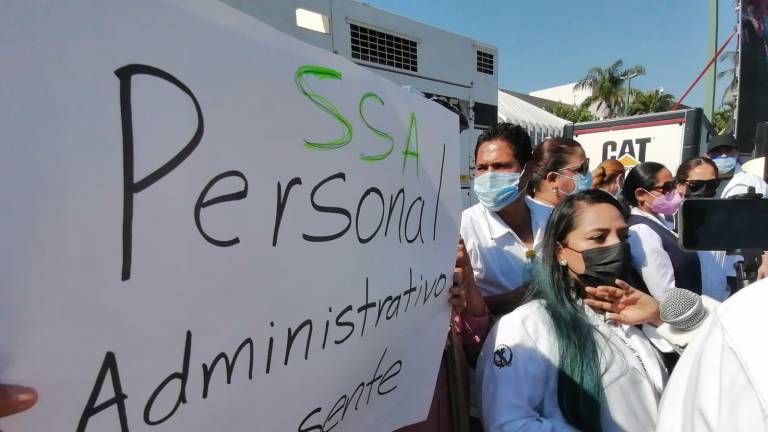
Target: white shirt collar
[(539, 216), (496, 226), (539, 208)]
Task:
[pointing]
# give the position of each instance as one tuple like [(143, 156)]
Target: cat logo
[(628, 161), (629, 153)]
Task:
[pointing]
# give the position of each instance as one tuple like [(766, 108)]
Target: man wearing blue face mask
[(503, 230), (724, 153)]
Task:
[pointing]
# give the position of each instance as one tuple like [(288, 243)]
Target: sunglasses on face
[(665, 188), (583, 168), (697, 186)]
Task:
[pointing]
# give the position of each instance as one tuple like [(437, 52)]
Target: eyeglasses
[(696, 186), (583, 168), (666, 187)]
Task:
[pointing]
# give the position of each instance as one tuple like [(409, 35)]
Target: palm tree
[(722, 120), (730, 92), (574, 114), (650, 102), (607, 85)]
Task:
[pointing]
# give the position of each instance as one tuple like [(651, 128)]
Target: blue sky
[(543, 43)]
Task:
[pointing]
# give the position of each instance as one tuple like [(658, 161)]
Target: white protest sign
[(209, 225)]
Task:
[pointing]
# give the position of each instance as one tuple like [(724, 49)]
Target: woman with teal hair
[(555, 363)]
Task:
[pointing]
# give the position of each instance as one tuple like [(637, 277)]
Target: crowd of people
[(563, 265), (556, 269)]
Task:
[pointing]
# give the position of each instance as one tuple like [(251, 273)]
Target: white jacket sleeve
[(741, 182), (710, 390), (651, 260), (518, 379)]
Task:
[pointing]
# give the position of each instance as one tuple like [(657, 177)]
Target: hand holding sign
[(197, 250), (464, 294)]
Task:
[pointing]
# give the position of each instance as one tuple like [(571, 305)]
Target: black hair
[(642, 176), (685, 168), (515, 136), (579, 387)]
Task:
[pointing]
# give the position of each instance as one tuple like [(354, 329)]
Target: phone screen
[(724, 224)]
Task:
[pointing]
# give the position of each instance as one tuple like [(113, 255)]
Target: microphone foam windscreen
[(682, 309)]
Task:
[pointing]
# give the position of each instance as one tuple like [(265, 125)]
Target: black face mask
[(702, 188), (603, 265)]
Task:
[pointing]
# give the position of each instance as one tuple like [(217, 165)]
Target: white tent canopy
[(539, 123)]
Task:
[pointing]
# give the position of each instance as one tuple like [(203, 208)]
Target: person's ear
[(640, 195), (552, 179), (559, 253)]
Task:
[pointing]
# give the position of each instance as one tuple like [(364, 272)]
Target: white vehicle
[(668, 138), (436, 62)]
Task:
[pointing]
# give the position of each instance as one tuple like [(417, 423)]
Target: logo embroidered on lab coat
[(502, 357)]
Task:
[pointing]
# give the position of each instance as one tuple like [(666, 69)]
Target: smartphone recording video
[(724, 224)]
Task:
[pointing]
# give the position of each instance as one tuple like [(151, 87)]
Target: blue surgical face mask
[(725, 164), (496, 190), (581, 182)]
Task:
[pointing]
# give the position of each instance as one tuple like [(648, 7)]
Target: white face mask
[(619, 186), (613, 194)]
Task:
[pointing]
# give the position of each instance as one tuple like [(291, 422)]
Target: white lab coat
[(500, 260), (740, 183), (522, 395), (649, 257), (721, 381)]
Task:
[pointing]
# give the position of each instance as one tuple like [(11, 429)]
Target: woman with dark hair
[(555, 363), (558, 167), (651, 193), (697, 178)]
